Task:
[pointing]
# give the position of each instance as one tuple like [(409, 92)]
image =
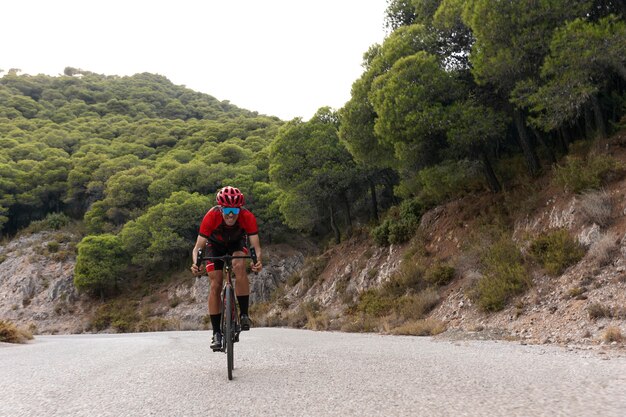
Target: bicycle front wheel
[(229, 331)]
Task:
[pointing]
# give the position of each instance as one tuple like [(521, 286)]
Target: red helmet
[(229, 197)]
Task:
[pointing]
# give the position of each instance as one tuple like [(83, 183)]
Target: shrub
[(394, 231), (120, 314), (556, 251), (596, 207), (400, 224), (53, 247), (439, 274), (428, 327), (402, 230), (416, 306), (604, 250), (10, 333), (154, 324), (380, 234), (293, 279), (597, 310), (360, 324), (613, 334), (578, 174), (409, 277), (53, 221), (576, 292), (504, 276), (373, 303)]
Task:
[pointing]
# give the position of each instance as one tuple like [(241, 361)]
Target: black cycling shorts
[(221, 249)]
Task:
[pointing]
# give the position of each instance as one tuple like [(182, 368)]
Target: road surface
[(286, 372)]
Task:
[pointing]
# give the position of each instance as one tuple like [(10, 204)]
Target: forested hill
[(109, 147), (463, 97)]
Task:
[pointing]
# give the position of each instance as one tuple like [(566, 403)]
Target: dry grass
[(596, 207), (605, 250), (361, 323), (613, 334), (10, 333), (416, 306), (597, 310), (427, 327)]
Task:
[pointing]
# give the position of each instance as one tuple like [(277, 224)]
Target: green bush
[(373, 303), (504, 276), (556, 251), (100, 263), (53, 247), (578, 174), (439, 274), (400, 224), (53, 221), (121, 315), (401, 231), (380, 234)]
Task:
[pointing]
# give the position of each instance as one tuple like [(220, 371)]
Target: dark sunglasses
[(230, 210)]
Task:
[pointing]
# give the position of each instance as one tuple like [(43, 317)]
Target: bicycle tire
[(229, 331)]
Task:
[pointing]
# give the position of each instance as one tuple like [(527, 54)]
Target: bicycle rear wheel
[(229, 331)]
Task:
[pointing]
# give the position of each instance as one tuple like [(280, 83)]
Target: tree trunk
[(543, 142), (490, 175), (348, 214), (333, 226), (529, 153), (564, 138), (374, 201), (589, 133), (597, 112), (620, 68)]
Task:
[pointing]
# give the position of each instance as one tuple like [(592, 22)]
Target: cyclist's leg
[(242, 285), (242, 289), (216, 280)]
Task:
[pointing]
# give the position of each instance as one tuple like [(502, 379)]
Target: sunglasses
[(230, 210)]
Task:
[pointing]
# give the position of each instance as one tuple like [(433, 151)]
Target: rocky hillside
[(37, 292), (584, 304)]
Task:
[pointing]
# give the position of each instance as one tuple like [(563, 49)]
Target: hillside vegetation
[(463, 99)]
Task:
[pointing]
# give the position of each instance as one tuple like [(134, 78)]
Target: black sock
[(243, 301), (216, 322)]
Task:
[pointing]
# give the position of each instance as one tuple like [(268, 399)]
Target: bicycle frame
[(230, 325)]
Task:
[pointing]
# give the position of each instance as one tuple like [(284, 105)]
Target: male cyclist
[(223, 231)]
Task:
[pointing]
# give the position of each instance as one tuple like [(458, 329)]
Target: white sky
[(284, 58)]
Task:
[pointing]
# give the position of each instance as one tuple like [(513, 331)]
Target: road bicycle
[(230, 325)]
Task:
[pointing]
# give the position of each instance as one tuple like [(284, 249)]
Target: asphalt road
[(285, 372)]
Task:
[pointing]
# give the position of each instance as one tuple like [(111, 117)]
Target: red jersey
[(214, 228)]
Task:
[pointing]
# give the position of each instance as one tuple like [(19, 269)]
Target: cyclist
[(223, 231)]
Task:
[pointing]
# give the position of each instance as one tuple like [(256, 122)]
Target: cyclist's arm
[(256, 244), (200, 244)]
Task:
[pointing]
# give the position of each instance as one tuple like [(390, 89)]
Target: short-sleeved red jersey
[(214, 228)]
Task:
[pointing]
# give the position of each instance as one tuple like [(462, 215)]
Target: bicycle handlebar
[(201, 257)]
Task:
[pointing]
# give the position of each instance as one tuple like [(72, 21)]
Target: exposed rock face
[(280, 262), (37, 288), (283, 262)]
